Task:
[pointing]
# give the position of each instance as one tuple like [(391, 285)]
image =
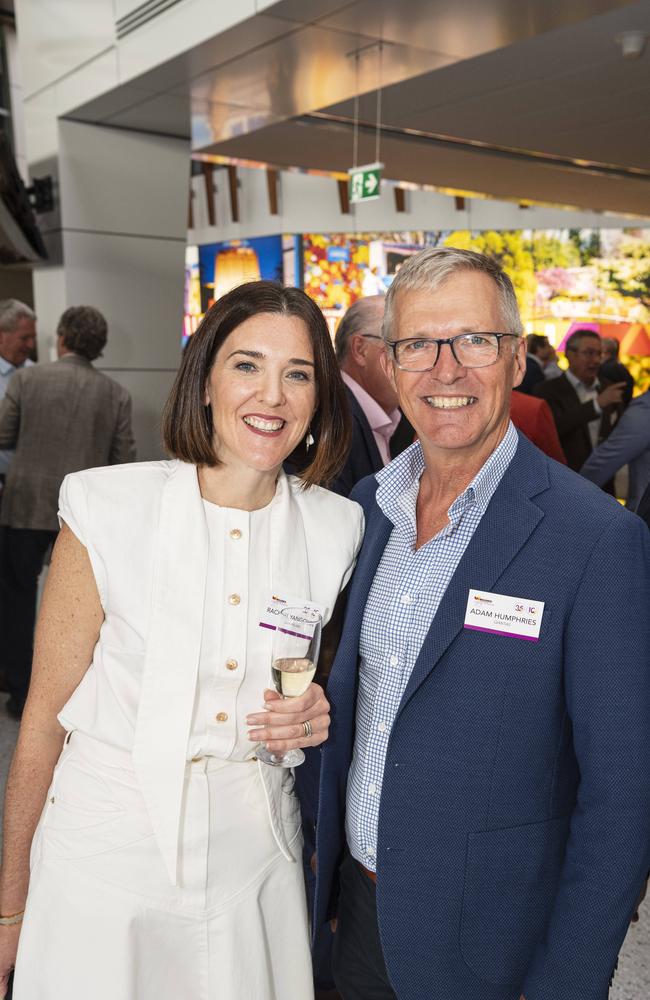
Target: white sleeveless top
[(179, 598)]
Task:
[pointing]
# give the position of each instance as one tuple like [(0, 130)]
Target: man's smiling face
[(453, 407)]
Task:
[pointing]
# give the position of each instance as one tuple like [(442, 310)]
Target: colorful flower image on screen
[(566, 279), (340, 268)]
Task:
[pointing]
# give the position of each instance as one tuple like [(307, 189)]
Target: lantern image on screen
[(233, 267)]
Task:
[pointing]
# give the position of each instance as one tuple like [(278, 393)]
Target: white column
[(119, 246)]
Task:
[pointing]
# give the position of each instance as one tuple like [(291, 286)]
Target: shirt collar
[(579, 384), (399, 484), (373, 412), (6, 366)]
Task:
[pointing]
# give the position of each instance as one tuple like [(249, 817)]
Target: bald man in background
[(379, 431)]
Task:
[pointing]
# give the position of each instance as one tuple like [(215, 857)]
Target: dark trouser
[(357, 959), (22, 552)]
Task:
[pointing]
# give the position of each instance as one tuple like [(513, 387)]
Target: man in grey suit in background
[(60, 418), (628, 444)]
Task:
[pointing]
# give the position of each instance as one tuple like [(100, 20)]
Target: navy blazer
[(514, 824), (363, 458)]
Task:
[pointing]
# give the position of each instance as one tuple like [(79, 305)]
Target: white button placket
[(232, 656)]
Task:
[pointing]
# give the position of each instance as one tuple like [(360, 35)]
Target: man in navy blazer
[(379, 432), (484, 825)]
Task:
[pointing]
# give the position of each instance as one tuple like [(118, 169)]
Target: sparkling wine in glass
[(296, 644)]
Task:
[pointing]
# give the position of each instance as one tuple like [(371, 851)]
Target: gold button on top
[(231, 664), (221, 716), (234, 599), (235, 533)]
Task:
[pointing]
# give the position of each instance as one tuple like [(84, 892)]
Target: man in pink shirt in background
[(379, 432)]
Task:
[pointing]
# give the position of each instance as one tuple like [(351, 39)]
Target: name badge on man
[(502, 615)]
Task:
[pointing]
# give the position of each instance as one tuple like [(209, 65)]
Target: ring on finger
[(306, 726)]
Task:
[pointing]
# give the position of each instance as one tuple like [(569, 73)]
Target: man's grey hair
[(429, 268), (358, 319), (11, 313)]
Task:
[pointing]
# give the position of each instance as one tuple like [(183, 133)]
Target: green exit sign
[(365, 182)]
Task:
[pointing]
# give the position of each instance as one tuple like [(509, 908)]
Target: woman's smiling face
[(262, 391)]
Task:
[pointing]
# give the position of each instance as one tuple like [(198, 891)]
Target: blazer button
[(221, 717), (235, 534), (234, 599), (231, 664)]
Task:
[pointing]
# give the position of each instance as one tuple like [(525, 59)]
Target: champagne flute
[(296, 644)]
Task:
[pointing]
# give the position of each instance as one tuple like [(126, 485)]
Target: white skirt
[(103, 920)]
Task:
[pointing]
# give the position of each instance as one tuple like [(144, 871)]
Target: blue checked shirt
[(402, 603)]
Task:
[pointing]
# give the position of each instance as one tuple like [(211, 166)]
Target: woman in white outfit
[(166, 861)]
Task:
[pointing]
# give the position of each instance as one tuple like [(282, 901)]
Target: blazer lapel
[(172, 657), (505, 527), (378, 530)]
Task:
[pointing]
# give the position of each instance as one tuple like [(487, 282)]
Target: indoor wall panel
[(138, 284), (123, 182), (57, 38)]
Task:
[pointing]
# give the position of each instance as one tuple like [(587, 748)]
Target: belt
[(367, 872)]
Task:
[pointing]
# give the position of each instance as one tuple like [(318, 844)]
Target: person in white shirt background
[(166, 861)]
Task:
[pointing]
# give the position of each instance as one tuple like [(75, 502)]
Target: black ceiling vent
[(142, 14)]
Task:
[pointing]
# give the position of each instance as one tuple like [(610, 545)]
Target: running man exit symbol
[(365, 182)]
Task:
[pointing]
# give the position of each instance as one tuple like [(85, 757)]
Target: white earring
[(309, 440)]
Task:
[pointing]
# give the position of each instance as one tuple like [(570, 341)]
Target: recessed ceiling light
[(632, 43)]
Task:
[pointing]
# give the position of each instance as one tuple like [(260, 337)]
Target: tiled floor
[(632, 980)]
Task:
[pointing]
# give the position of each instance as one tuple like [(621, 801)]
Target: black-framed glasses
[(471, 350)]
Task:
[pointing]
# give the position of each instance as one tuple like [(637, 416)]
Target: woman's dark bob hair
[(187, 422)]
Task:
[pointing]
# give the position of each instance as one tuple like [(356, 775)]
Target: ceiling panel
[(540, 61), (163, 114), (245, 38), (626, 137), (536, 95), (305, 70), (463, 28), (541, 75), (326, 146), (211, 118), (555, 119), (304, 11), (102, 108)]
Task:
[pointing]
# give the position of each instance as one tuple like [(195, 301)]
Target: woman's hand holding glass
[(281, 728)]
